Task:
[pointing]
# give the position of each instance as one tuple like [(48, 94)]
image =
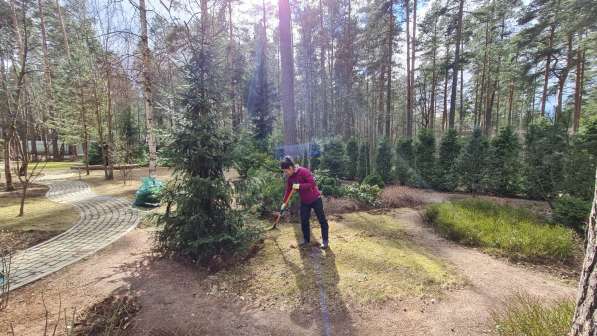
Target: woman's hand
[(296, 186)]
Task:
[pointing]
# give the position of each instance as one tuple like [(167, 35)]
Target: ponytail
[(286, 162)]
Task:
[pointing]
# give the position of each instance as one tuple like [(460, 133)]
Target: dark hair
[(286, 162)]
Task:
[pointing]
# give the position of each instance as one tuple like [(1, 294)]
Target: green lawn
[(514, 232)]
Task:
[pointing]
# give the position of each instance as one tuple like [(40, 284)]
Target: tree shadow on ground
[(317, 282)]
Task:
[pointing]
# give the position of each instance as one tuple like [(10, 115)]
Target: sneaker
[(325, 245), (304, 244)]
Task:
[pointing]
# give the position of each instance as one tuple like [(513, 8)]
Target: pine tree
[(446, 172), (504, 166), (425, 158), (199, 221), (334, 158), (352, 152), (405, 160), (473, 162), (363, 166), (383, 160)]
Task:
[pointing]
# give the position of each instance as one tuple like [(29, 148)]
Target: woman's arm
[(288, 188)]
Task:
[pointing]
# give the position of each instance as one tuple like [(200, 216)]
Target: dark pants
[(306, 214)]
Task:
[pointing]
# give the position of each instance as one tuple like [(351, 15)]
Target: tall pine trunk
[(409, 111), (413, 49), (456, 65), (287, 64), (389, 79), (584, 322), (578, 86), (546, 71)]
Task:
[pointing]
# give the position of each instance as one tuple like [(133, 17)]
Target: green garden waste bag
[(148, 193)]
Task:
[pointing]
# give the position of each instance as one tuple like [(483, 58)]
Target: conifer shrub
[(383, 161), (364, 167), (405, 161), (352, 153), (425, 159), (374, 180), (446, 175), (333, 158), (504, 164), (472, 163)]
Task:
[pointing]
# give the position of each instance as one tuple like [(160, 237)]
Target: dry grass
[(401, 197), (370, 260), (43, 218), (514, 232), (529, 316)]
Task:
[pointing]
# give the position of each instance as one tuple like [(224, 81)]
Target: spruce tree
[(504, 166), (352, 152), (383, 160), (425, 158), (199, 221), (363, 167), (334, 158), (260, 95), (473, 162), (545, 155), (446, 176), (405, 160)]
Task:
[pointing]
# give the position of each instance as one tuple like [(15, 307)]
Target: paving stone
[(102, 220)]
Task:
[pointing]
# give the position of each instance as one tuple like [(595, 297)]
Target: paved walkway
[(103, 219)]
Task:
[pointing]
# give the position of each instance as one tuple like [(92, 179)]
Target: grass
[(370, 261), (528, 316), (41, 214), (514, 232)]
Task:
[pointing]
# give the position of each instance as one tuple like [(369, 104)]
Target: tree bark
[(48, 77), (456, 65), (287, 63), (433, 79), (546, 72), (584, 322), (562, 79), (389, 60), (413, 49), (578, 87), (445, 110), (147, 90), (63, 26), (409, 111)]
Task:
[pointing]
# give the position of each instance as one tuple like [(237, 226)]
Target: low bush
[(514, 232), (327, 184), (368, 194), (374, 180), (572, 212), (261, 192), (525, 315)]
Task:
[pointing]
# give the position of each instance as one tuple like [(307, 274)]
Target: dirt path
[(179, 300), (490, 281)]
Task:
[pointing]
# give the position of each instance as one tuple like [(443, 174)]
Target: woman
[(300, 179)]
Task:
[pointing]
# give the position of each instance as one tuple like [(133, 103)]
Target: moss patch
[(370, 261)]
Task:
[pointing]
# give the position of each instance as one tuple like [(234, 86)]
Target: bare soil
[(177, 299)]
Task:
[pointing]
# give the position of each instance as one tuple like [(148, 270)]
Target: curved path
[(103, 219)]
